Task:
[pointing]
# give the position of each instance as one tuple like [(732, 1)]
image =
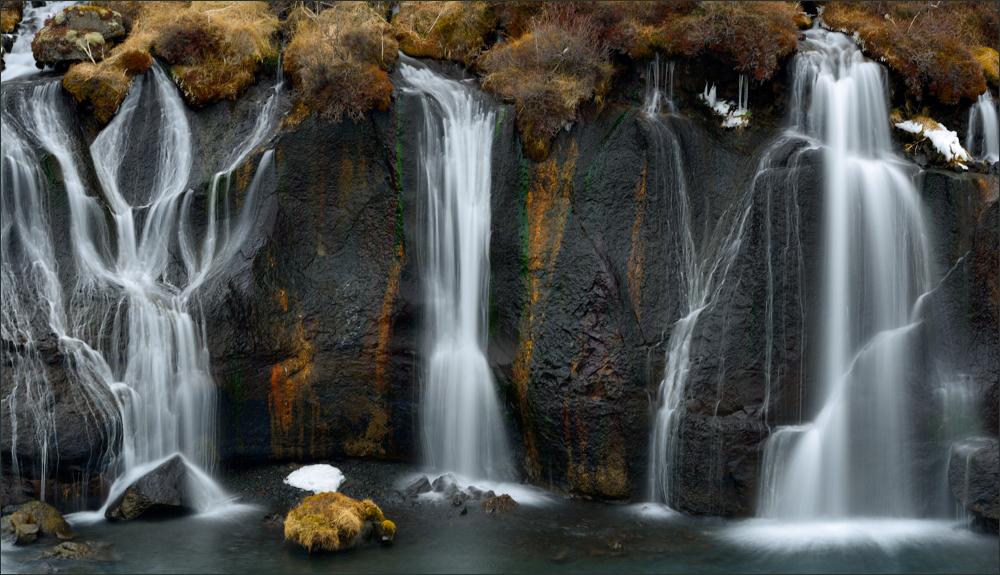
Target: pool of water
[(553, 536)]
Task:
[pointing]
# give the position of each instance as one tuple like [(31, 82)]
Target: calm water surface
[(560, 536)]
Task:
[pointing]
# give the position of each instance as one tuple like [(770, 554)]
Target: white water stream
[(853, 460), (461, 423), (20, 62), (983, 138), (132, 327), (705, 263)]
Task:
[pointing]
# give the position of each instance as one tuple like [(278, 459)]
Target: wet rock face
[(77, 34), (601, 286), (162, 491), (972, 476), (70, 437), (314, 348)]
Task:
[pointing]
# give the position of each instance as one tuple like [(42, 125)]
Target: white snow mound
[(316, 478)]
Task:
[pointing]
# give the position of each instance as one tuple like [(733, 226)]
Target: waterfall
[(659, 95), (853, 459), (133, 328), (461, 418), (703, 269), (983, 139), (34, 305)]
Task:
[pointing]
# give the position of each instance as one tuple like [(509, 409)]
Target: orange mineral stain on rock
[(547, 206), (373, 442), (290, 400)]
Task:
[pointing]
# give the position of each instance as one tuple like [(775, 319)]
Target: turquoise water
[(558, 536)]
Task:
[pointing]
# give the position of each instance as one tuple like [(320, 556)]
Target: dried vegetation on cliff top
[(944, 50), (547, 58), (550, 57), (214, 48), (340, 57)]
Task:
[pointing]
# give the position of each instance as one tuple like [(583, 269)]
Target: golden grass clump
[(932, 45), (548, 72), (10, 15), (443, 30), (339, 59), (989, 59), (215, 48), (330, 521)]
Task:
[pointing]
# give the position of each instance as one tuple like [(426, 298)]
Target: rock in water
[(86, 551), (163, 490), (972, 474), (35, 519), (500, 504), (77, 34), (332, 521), (422, 485)]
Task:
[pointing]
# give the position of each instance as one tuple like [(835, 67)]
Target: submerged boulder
[(162, 491), (77, 34), (332, 521), (972, 475), (86, 551), (32, 520)]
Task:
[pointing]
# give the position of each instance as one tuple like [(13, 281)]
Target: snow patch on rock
[(316, 478)]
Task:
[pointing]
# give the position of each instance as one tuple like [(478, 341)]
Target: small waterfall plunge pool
[(551, 534)]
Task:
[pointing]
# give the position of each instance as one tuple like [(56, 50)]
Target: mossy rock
[(35, 519), (332, 521), (77, 34)]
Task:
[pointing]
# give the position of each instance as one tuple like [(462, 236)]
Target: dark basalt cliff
[(315, 339)]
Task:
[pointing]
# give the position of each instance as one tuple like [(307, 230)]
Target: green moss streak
[(500, 117), (399, 180)]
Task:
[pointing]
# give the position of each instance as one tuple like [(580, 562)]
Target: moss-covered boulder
[(32, 520), (77, 34), (332, 521)]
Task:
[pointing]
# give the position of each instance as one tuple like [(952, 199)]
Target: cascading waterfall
[(704, 267), (136, 285), (461, 418), (33, 303), (983, 139), (852, 460)]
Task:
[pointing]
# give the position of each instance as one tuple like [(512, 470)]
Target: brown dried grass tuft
[(216, 47), (339, 59), (548, 72), (932, 45), (329, 521), (444, 30)]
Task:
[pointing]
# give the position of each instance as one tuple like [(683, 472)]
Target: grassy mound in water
[(214, 49), (332, 521), (339, 59), (945, 50)]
